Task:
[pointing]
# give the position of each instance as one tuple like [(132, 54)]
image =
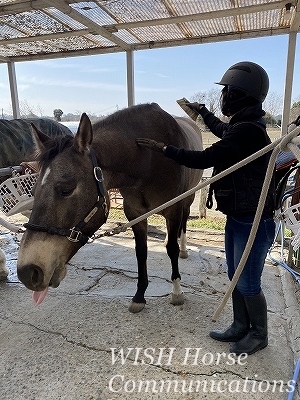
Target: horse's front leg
[(173, 252), (140, 235)]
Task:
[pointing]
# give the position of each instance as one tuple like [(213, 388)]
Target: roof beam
[(18, 7), (51, 36), (118, 45), (296, 20), (94, 28), (230, 12), (152, 45), (172, 12), (222, 37), (64, 7)]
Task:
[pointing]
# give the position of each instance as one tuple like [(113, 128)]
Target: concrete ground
[(82, 343)]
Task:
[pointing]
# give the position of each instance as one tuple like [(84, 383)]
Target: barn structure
[(47, 29)]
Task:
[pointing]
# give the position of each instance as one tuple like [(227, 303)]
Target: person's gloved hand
[(151, 144), (195, 106)]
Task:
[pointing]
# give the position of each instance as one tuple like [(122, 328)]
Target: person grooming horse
[(245, 86)]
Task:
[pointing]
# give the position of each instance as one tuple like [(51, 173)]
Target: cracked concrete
[(70, 346)]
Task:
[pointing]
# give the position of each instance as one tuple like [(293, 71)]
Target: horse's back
[(134, 167), (192, 131)]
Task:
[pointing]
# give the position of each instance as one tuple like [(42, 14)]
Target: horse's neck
[(111, 159)]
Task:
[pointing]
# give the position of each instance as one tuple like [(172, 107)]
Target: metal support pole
[(13, 89), (130, 78), (288, 82)]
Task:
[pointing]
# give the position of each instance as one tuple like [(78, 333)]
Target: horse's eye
[(65, 188), (66, 192)]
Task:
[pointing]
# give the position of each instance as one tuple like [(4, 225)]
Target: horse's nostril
[(31, 275), (35, 276)]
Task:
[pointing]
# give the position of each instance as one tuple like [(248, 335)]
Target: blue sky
[(97, 84)]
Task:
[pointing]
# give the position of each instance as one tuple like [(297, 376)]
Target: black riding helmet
[(245, 84)]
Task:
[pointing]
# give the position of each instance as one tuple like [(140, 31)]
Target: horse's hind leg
[(172, 246), (183, 253)]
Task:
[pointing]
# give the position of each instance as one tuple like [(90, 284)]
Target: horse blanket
[(16, 142)]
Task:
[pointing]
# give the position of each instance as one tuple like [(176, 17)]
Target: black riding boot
[(257, 337), (240, 326)]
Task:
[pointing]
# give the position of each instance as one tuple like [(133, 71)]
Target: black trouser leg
[(240, 326), (257, 337)]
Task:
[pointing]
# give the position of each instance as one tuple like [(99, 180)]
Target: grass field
[(210, 222)]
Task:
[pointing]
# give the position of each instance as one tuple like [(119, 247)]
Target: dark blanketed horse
[(16, 140), (67, 194)]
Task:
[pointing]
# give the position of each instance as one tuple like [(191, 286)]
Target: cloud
[(159, 75), (87, 69), (142, 89), (155, 74), (25, 82), (23, 87), (77, 66), (31, 80)]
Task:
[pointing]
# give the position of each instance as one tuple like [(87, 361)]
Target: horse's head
[(70, 204)]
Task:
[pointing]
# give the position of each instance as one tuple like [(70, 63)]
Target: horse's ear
[(39, 138), (84, 136)]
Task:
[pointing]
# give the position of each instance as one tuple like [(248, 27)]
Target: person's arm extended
[(242, 141), (190, 158)]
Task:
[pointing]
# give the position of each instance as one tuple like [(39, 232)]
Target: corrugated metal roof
[(37, 29)]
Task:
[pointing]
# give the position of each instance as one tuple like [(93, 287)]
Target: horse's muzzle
[(32, 276)]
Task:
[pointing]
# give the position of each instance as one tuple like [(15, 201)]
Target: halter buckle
[(74, 235), (98, 174)]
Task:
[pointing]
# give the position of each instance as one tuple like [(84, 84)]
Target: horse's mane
[(54, 146)]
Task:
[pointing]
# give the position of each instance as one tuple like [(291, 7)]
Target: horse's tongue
[(38, 297)]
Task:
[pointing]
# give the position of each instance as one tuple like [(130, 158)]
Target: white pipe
[(13, 89), (130, 78), (288, 82)]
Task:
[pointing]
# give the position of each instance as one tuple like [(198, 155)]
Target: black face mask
[(233, 100)]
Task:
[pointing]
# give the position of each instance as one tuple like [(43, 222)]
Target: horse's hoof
[(136, 307), (177, 299), (183, 254)]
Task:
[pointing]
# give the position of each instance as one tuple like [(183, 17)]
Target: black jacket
[(245, 134)]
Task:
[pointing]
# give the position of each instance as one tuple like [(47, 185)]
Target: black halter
[(75, 234)]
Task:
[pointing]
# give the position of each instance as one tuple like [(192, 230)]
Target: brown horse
[(71, 200)]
